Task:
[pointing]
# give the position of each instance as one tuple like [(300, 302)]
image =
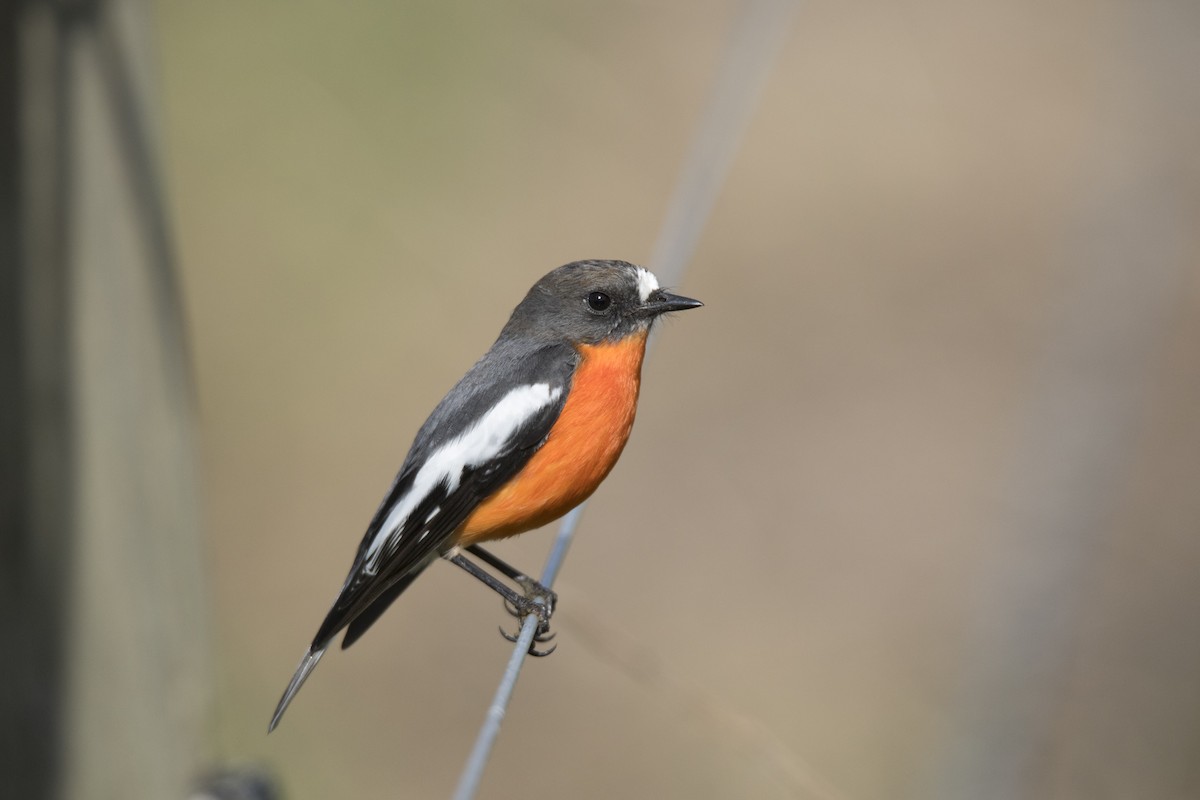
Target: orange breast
[(582, 448)]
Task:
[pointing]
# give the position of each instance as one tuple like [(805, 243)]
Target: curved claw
[(540, 638), (539, 602)]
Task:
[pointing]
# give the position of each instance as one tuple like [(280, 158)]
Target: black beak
[(660, 302)]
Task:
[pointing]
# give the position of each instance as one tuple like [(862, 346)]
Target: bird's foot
[(537, 601)]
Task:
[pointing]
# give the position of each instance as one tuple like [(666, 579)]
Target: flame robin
[(526, 435)]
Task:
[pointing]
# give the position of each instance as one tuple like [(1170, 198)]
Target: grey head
[(589, 302)]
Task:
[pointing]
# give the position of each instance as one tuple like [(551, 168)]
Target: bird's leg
[(502, 567), (536, 600), (533, 589)]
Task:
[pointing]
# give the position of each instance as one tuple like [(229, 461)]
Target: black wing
[(374, 582)]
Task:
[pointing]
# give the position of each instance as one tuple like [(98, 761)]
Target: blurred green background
[(777, 592)]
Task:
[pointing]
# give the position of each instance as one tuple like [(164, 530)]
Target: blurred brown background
[(948, 360)]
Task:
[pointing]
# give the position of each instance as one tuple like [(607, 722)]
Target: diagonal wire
[(753, 45)]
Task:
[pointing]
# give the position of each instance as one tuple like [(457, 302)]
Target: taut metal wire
[(754, 43)]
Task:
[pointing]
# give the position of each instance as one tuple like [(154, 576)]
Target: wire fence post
[(100, 545), (754, 43)]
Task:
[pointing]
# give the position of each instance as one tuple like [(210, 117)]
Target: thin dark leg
[(532, 588), (523, 604), (488, 558), (499, 587)]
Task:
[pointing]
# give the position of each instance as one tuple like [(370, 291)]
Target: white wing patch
[(647, 283), (481, 442)]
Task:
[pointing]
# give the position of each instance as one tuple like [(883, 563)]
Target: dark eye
[(599, 301)]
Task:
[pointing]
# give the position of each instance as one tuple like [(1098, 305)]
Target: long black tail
[(335, 620), (307, 665), (359, 625)]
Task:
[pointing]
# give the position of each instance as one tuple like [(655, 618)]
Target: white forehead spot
[(647, 283)]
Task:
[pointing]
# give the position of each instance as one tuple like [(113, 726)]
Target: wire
[(755, 42)]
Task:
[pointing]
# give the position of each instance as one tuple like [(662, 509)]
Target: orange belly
[(582, 448)]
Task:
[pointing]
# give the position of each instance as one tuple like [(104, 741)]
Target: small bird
[(526, 435)]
